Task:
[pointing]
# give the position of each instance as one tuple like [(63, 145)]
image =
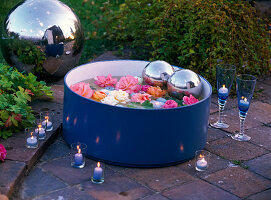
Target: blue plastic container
[(129, 136)]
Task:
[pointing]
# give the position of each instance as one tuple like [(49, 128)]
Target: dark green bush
[(194, 34)]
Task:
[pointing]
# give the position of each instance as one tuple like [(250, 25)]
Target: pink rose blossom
[(82, 89), (3, 153), (128, 84), (144, 88), (103, 81), (189, 100), (170, 104), (141, 98)]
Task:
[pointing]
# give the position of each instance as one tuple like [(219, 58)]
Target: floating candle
[(98, 172), (223, 93), (243, 104)]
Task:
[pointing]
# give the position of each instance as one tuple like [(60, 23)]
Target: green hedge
[(194, 34)]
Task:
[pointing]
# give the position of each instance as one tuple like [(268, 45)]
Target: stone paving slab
[(40, 182), (261, 165), (215, 164), (159, 179), (260, 136), (56, 150), (234, 150), (198, 190), (116, 187), (62, 169), (156, 197), (239, 181), (11, 173), (215, 134), (265, 195), (72, 193)]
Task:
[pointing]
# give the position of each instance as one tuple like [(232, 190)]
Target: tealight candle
[(47, 124), (202, 164), (40, 131), (78, 157), (223, 93), (202, 160), (31, 141), (98, 172), (243, 104)]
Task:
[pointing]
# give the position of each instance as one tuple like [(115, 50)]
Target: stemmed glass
[(224, 77), (245, 89)]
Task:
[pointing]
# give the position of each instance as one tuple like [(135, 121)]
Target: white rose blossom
[(120, 96), (110, 100)]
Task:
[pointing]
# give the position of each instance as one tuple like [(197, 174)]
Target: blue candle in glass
[(78, 157), (98, 172), (223, 93), (243, 104)]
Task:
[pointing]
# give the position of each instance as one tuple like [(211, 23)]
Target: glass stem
[(242, 124), (221, 109)]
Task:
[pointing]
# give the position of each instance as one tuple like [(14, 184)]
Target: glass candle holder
[(224, 77), (245, 85), (97, 175), (47, 120), (78, 151), (31, 138), (202, 160), (40, 130)]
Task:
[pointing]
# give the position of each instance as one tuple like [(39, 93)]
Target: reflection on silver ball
[(183, 83), (156, 73), (42, 36)]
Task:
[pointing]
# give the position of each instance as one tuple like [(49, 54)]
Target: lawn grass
[(90, 12)]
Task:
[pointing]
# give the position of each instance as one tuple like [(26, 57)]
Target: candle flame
[(98, 164), (245, 99), (39, 126), (223, 86), (242, 97), (203, 159), (201, 156), (46, 117), (79, 150)]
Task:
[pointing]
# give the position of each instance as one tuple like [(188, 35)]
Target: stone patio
[(238, 170)]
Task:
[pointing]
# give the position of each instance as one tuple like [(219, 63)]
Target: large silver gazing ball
[(44, 37), (157, 72), (183, 83)]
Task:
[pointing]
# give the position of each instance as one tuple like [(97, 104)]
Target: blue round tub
[(129, 136)]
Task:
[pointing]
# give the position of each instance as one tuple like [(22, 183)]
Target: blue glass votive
[(78, 151)]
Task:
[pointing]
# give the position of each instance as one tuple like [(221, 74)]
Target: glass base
[(201, 169), (219, 125), (78, 166), (49, 129), (97, 181), (240, 137), (32, 146)]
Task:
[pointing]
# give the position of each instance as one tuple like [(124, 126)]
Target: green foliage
[(16, 91), (194, 34)]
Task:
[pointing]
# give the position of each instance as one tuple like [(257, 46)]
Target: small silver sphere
[(157, 72), (183, 83), (42, 36)]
